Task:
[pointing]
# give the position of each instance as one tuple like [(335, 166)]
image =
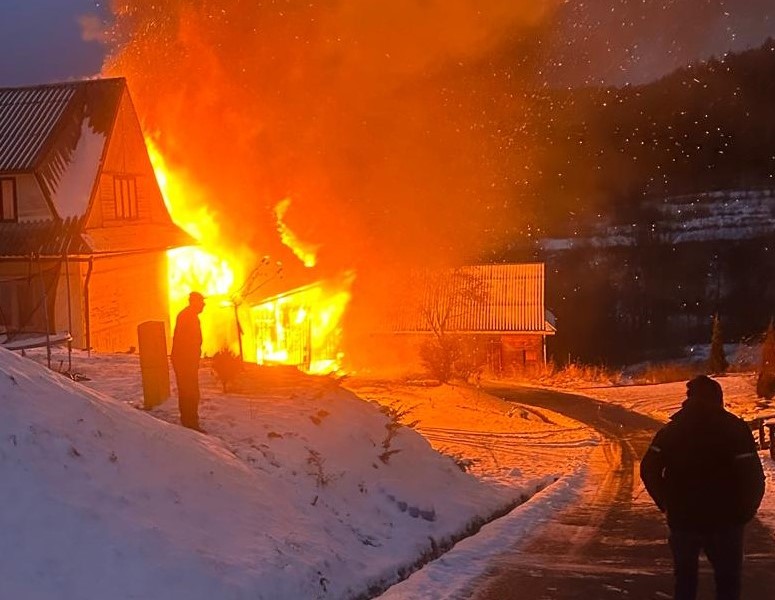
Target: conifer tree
[(717, 363), (765, 384)]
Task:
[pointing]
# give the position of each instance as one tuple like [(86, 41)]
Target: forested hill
[(597, 153)]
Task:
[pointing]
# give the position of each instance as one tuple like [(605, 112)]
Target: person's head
[(704, 391), (196, 301)]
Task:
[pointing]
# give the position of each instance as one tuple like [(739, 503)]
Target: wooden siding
[(30, 202), (125, 291), (127, 155)]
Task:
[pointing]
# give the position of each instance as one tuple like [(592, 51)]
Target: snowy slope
[(105, 501)]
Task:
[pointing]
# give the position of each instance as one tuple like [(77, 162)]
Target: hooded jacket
[(703, 468)]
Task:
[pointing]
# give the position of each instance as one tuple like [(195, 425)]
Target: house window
[(125, 195), (8, 208)]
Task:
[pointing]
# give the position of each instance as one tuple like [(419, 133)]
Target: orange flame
[(301, 327), (306, 253)]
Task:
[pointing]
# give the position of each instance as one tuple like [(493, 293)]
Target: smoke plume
[(373, 118)]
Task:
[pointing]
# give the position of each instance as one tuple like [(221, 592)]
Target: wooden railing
[(763, 430)]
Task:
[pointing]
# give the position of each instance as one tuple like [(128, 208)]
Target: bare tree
[(448, 305)]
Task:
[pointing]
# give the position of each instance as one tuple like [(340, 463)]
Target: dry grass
[(668, 372), (570, 375)]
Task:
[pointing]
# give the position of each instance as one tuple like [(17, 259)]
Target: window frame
[(14, 218), (125, 201)]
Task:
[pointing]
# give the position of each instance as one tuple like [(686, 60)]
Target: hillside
[(653, 207), (596, 154)]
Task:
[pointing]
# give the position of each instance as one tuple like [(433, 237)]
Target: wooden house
[(83, 226), (497, 310)]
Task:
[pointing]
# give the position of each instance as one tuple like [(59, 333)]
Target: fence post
[(771, 427), (153, 363)]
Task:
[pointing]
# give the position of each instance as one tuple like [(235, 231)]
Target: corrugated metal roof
[(507, 298), (28, 119), (42, 238)]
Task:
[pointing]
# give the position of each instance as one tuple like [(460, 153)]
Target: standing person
[(703, 470), (186, 350)]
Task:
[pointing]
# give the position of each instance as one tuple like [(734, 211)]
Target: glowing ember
[(303, 327)]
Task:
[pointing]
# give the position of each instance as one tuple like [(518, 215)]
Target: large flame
[(301, 327), (306, 253)]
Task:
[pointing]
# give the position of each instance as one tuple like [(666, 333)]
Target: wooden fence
[(764, 433)]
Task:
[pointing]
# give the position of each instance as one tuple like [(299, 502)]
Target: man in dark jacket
[(186, 350), (703, 470)]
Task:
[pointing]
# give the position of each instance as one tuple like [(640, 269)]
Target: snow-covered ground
[(300, 488), (303, 487)]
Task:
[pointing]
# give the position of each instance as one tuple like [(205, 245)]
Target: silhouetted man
[(703, 470), (186, 350)]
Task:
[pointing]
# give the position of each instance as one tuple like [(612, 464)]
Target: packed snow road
[(611, 543)]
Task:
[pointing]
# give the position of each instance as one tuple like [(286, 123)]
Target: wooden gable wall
[(127, 156)]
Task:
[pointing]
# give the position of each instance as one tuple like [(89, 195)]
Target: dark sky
[(41, 41), (635, 41), (613, 41)]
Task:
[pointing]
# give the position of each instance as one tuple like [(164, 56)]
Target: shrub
[(450, 357), (438, 355), (226, 366)]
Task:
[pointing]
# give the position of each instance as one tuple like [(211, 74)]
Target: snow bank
[(316, 494)]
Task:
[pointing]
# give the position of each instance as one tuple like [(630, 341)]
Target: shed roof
[(504, 298)]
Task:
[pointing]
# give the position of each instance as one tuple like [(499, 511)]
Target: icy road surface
[(612, 542)]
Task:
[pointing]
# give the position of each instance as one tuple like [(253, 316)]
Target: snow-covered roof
[(60, 132)]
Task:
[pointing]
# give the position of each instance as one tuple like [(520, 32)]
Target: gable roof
[(505, 298), (28, 118), (59, 131)]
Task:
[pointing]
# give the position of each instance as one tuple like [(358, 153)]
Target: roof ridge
[(64, 84)]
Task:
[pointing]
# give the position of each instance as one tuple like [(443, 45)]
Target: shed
[(500, 307), (83, 226)]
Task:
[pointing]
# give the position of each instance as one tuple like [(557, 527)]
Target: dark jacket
[(187, 338), (703, 469)]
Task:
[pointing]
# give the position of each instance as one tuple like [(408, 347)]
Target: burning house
[(84, 230)]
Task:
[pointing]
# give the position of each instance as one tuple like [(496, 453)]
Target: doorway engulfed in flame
[(301, 327)]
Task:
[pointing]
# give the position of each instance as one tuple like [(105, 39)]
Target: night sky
[(609, 41)]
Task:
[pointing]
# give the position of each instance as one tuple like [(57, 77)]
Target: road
[(611, 543)]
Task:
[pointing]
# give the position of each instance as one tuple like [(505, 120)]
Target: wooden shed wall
[(125, 291)]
